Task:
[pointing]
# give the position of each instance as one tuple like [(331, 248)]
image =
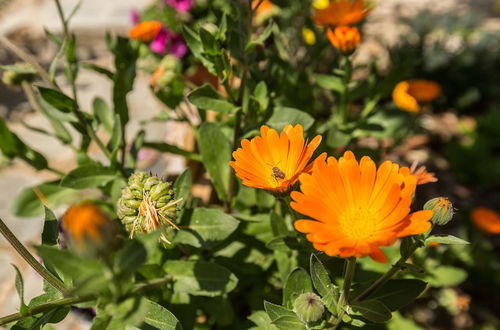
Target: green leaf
[(446, 239), (262, 320), (444, 275), (209, 43), (19, 68), (182, 187), (200, 278), (125, 70), (283, 116), (205, 97), (132, 256), (103, 113), (323, 284), (289, 323), (57, 99), (50, 233), (395, 294), (161, 318), (276, 311), (71, 266), (216, 153), (210, 227), (27, 203), (20, 289), (194, 43), (11, 146), (116, 137), (297, 283), (165, 147), (260, 95), (333, 83), (88, 176), (278, 225), (372, 310), (261, 38), (98, 69)]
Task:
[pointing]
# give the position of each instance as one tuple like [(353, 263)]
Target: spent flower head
[(146, 204)]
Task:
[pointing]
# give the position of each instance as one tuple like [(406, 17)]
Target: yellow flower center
[(357, 222)]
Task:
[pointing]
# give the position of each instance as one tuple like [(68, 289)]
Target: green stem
[(387, 276), (344, 295), (28, 257), (287, 200), (45, 308), (76, 300)]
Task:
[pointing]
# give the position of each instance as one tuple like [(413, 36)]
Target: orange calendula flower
[(274, 161), (344, 38), (145, 31), (89, 229), (341, 12), (409, 95), (356, 207), (264, 10), (486, 219), (420, 173)]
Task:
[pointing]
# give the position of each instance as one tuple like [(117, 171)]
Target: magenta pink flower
[(134, 16), (180, 5), (178, 47), (159, 43)]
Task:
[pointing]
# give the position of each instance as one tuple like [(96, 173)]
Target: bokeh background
[(462, 54)]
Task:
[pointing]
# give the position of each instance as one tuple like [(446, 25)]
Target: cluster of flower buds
[(146, 204)]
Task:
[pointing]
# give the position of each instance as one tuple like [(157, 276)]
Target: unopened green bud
[(15, 75), (442, 208), (146, 204), (309, 307)]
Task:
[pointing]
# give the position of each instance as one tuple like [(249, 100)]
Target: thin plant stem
[(76, 300), (28, 257), (45, 308), (387, 276), (344, 295)]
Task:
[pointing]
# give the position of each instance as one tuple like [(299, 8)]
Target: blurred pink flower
[(178, 47), (134, 16), (180, 5), (159, 43)]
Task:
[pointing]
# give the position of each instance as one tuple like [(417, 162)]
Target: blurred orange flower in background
[(145, 31), (344, 38), (357, 208), (409, 95), (486, 220), (274, 161), (264, 10), (84, 221), (341, 12), (419, 173)]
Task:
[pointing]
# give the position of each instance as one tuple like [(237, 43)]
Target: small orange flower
[(274, 161), (145, 31), (357, 208), (344, 38), (434, 244), (409, 95), (85, 221), (486, 219), (420, 173), (341, 12), (265, 9)]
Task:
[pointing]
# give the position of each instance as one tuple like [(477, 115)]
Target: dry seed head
[(146, 204)]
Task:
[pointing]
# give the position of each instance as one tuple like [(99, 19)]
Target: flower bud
[(344, 38), (146, 204), (309, 307), (442, 208), (89, 231), (16, 74)]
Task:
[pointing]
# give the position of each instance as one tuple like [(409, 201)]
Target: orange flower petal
[(486, 220)]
